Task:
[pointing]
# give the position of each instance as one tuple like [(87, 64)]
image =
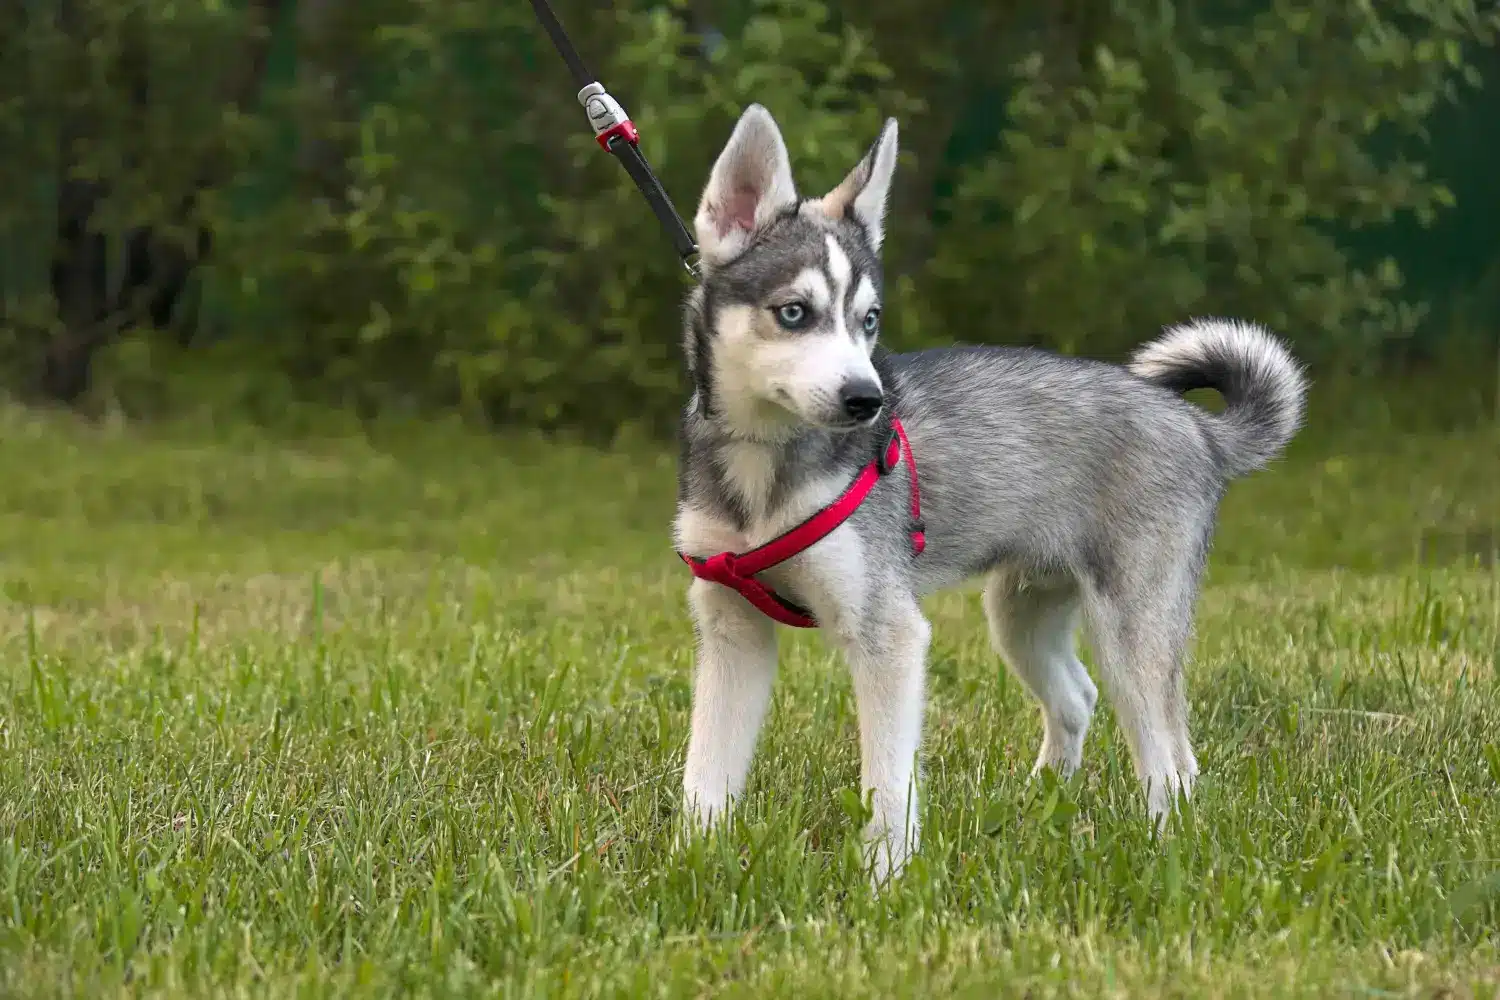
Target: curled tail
[(1262, 385)]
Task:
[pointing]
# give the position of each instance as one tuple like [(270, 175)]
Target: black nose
[(861, 399)]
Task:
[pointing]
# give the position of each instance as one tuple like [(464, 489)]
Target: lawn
[(350, 717)]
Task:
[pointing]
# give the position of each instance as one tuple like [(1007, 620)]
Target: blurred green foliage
[(395, 204)]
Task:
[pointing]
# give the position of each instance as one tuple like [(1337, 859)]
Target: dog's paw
[(1166, 794), (701, 814), (704, 810), (886, 853)]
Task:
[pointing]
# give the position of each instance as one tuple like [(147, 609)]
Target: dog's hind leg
[(736, 665), (1140, 627), (1033, 628)]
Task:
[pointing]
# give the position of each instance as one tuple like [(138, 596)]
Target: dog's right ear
[(751, 182)]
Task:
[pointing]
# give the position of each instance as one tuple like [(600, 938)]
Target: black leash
[(614, 131)]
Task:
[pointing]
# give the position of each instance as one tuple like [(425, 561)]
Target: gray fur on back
[(1041, 462), (1053, 464)]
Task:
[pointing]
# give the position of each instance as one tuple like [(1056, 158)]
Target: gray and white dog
[(1072, 486)]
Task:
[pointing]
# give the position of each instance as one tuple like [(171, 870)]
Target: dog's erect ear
[(751, 182), (863, 193)]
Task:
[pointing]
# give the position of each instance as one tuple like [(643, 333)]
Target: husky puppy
[(1075, 488)]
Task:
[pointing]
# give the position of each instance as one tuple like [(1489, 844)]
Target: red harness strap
[(737, 570)]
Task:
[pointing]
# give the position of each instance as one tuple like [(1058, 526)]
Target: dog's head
[(781, 331)]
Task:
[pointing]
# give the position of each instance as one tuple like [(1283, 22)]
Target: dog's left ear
[(862, 195)]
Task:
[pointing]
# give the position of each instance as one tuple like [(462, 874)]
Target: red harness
[(737, 570)]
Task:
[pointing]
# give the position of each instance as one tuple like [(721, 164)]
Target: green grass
[(342, 718)]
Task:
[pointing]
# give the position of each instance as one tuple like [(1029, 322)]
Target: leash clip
[(608, 120)]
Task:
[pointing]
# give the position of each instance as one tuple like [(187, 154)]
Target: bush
[(1205, 169), (424, 282), (396, 205)]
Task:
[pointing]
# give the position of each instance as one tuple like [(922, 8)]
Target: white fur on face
[(811, 370), (769, 380), (839, 268)]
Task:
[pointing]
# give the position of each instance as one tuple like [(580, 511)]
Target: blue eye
[(792, 315), (872, 321)]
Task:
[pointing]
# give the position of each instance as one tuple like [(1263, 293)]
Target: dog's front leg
[(887, 655), (735, 667)]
